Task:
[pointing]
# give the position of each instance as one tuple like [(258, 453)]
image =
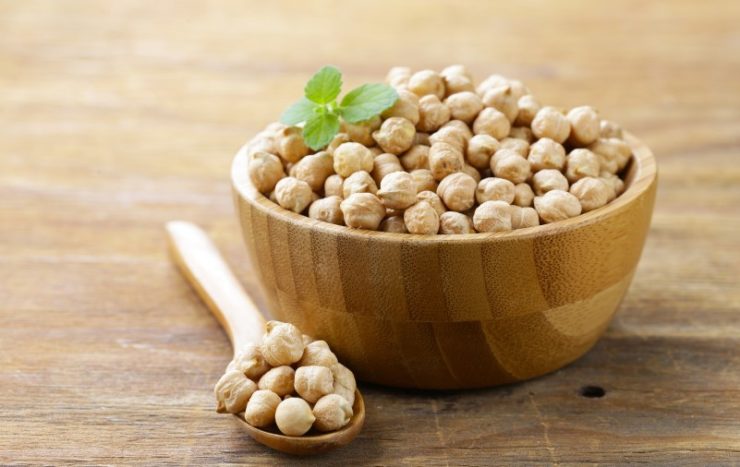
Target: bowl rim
[(640, 181)]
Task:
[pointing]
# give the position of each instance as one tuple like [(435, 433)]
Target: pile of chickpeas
[(448, 157), (289, 381)]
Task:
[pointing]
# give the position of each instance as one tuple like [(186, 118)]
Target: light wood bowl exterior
[(444, 312)]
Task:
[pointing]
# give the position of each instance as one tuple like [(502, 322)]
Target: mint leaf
[(367, 101), (324, 86), (320, 129), (299, 112)]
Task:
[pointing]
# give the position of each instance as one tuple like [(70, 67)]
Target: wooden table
[(118, 116)]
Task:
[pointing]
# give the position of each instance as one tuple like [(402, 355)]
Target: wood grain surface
[(116, 117)]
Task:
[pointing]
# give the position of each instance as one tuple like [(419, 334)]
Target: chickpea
[(333, 185), (361, 132), (344, 383), (491, 82), (523, 195), (265, 170), (395, 135), (260, 411), (502, 99), (313, 381), (406, 106), (393, 224), (495, 189), (457, 190), (546, 154), (584, 125), (456, 70), (521, 218), (249, 360), (451, 135), (551, 123), (492, 216), (338, 139), (434, 200), (613, 153), (528, 108), (422, 138), (294, 417), (548, 180), (480, 149), (472, 171), (398, 76), (293, 194), (557, 205), (314, 169), (461, 127), (385, 164), (282, 343), (614, 182), (608, 129), (352, 157), (581, 163), (433, 113), (444, 159), (452, 222), (591, 192), (264, 141), (523, 133), (327, 210), (427, 82), (491, 122), (519, 146), (424, 180), (290, 144), (332, 412), (397, 190), (359, 182), (455, 83), (363, 211), (233, 391), (464, 106), (421, 218), (512, 167), (416, 158)]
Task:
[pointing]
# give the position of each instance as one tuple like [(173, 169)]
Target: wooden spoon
[(203, 266)]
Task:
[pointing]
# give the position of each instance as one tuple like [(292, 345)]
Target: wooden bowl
[(444, 312)]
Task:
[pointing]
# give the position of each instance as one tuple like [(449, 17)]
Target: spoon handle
[(204, 267)]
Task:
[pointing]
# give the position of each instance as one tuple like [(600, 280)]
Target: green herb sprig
[(319, 112)]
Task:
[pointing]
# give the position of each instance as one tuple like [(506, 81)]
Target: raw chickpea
[(261, 408), (519, 146), (327, 210), (491, 82), (557, 205), (451, 222), (278, 380), (480, 149), (457, 191), (421, 218), (584, 125), (495, 189), (546, 154), (458, 83), (314, 169), (551, 123), (433, 113), (282, 343), (416, 158), (427, 82), (265, 170), (518, 89), (609, 129), (338, 139), (406, 106), (613, 153), (376, 151), (422, 138), (424, 180), (332, 412), (273, 197), (291, 146), (491, 122), (264, 141), (385, 164), (398, 76), (522, 218), (591, 192), (464, 106), (472, 171), (313, 381), (512, 167), (456, 70), (614, 182), (393, 224), (523, 195), (528, 108), (293, 194), (451, 135), (249, 360), (359, 182), (492, 216), (363, 211), (344, 383), (444, 159), (581, 163), (395, 135), (548, 180), (361, 132), (397, 190), (333, 185), (352, 157), (294, 417), (502, 99), (434, 200), (233, 391), (461, 127)]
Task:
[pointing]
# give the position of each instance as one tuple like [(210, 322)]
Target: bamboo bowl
[(447, 312)]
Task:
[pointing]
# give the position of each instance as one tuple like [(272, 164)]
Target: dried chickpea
[(398, 76), (523, 195), (294, 417), (519, 146), (338, 139), (528, 107), (452, 222), (265, 170), (581, 163), (359, 182), (260, 411), (491, 122), (352, 157), (472, 171), (327, 210), (444, 159), (434, 200), (502, 99), (609, 129), (344, 383), (456, 70), (492, 216), (424, 180), (461, 127), (249, 360), (293, 194), (422, 138), (551, 123), (363, 211), (584, 125), (457, 191), (332, 412), (290, 144), (393, 224), (548, 180), (522, 218), (314, 169), (614, 182), (433, 113), (495, 189), (591, 192), (395, 135), (464, 106), (385, 164), (613, 153), (406, 106), (264, 141), (452, 135), (512, 167), (361, 132), (518, 89), (455, 83), (233, 391), (421, 218), (282, 343), (523, 133), (313, 381), (417, 157), (557, 205), (546, 154), (279, 380), (333, 185), (427, 82), (493, 81), (397, 190), (480, 149)]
